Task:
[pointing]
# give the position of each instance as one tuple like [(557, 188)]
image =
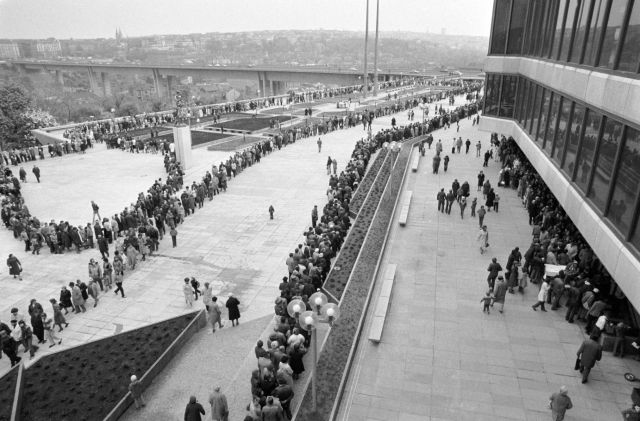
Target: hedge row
[(365, 184), (337, 279), (336, 352)]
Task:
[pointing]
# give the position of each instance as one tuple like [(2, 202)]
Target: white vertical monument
[(182, 132)]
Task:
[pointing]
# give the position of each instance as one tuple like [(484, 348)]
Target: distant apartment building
[(9, 50), (48, 48)]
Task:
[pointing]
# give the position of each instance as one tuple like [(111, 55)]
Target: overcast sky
[(99, 18)]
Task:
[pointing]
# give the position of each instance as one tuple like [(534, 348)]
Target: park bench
[(380, 313)]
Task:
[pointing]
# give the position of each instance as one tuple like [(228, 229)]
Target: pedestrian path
[(442, 358)]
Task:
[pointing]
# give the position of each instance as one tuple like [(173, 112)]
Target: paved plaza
[(442, 358)]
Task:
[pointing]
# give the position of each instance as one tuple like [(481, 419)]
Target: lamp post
[(322, 312)]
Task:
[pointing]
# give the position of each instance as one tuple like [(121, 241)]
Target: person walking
[(500, 293), (233, 307), (446, 163), (187, 290), (334, 164), (58, 317), (481, 213), (219, 407), (215, 314), (96, 212), (174, 236), (480, 180), (494, 269), (559, 403), (589, 352), (77, 298), (319, 145), (474, 203), (436, 163), (271, 211), (542, 295), (36, 172), (194, 410), (450, 198), (15, 267), (118, 273), (47, 322), (483, 239), (135, 388), (463, 205), (486, 302), (441, 197), (314, 216), (329, 161)]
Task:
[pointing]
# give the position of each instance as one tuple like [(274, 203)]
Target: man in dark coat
[(36, 172), (234, 312), (589, 352), (493, 269), (193, 410)]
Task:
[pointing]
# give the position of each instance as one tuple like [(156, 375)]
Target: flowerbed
[(365, 184), (339, 276), (7, 392), (86, 382), (250, 124), (335, 355), (238, 142)]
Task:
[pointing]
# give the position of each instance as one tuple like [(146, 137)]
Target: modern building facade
[(563, 78)]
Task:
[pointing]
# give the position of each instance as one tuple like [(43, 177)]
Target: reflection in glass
[(516, 29), (627, 184), (542, 127), (508, 96), (550, 28), (595, 32), (535, 116), (568, 29), (574, 138), (581, 29), (551, 125), (561, 132), (557, 37), (492, 91), (604, 162), (588, 148), (612, 33), (524, 98), (532, 94), (631, 47), (500, 22)]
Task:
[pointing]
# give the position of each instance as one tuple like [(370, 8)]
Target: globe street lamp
[(322, 312)]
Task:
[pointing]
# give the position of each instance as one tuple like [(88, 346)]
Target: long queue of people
[(281, 362)]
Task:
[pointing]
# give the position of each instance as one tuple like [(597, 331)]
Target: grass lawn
[(250, 124)]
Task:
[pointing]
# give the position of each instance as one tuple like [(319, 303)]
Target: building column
[(106, 84), (171, 83), (94, 86)]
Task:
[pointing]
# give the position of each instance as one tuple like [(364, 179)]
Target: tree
[(18, 116)]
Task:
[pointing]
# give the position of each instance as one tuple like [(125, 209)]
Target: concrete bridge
[(271, 80)]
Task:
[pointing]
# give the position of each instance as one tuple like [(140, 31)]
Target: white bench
[(415, 162), (404, 210), (380, 313)]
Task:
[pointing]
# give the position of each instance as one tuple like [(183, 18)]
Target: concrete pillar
[(60, 77), (171, 83), (106, 84), (375, 52), (94, 86), (158, 84), (365, 77), (272, 85), (182, 146)]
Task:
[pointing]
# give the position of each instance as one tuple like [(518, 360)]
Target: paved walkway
[(226, 358), (441, 358)]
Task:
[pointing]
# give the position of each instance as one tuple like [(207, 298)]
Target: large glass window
[(532, 95), (612, 33), (582, 23), (568, 29), (524, 97), (605, 160), (573, 139), (535, 116), (508, 96), (550, 28), (627, 184), (635, 237), (500, 23), (542, 127), (557, 37), (492, 92), (537, 13), (516, 28), (561, 131), (551, 124), (631, 47), (588, 149), (595, 32)]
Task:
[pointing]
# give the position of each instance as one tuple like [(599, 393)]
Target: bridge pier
[(159, 87), (106, 84), (59, 77), (94, 86)]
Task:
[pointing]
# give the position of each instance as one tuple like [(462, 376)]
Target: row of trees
[(19, 115)]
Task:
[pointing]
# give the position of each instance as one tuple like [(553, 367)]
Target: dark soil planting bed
[(250, 124), (334, 357), (339, 276), (198, 138), (365, 184), (86, 382), (7, 391)]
